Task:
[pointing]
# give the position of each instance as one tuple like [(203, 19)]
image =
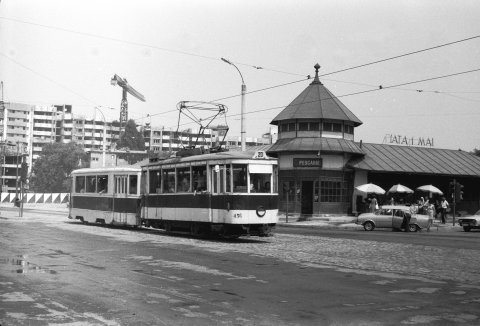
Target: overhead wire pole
[(104, 136), (242, 109)]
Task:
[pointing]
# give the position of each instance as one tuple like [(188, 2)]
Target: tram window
[(260, 182), (102, 184), (218, 177), (183, 179), (155, 182), (200, 178), (133, 184), (228, 178), (239, 178), (168, 177), (91, 183), (80, 184)]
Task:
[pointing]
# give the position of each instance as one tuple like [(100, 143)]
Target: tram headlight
[(261, 211)]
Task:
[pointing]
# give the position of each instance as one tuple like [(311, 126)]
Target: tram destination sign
[(307, 162)]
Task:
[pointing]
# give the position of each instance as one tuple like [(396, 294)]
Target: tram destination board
[(307, 162)]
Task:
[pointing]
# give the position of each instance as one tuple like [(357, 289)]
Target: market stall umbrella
[(371, 189), (430, 188), (400, 189)]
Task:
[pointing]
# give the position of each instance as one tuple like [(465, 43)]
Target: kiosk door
[(307, 197)]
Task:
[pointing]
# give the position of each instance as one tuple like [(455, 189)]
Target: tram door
[(218, 202), (119, 194), (307, 198)]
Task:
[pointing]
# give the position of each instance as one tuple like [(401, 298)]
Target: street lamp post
[(242, 112), (104, 136)]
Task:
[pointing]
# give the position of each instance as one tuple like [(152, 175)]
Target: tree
[(50, 172), (131, 138)]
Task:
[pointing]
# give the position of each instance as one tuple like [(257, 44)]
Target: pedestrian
[(373, 204), (443, 209), (392, 201), (406, 221)]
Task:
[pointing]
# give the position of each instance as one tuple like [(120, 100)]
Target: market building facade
[(320, 164)]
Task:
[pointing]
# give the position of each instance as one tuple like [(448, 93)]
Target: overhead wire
[(366, 91), (239, 63)]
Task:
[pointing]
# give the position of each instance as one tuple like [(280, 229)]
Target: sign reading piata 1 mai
[(307, 162), (407, 141)]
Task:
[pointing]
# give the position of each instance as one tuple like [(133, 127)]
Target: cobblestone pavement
[(427, 262), (388, 262)]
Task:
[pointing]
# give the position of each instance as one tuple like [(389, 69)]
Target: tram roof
[(117, 169), (228, 155)]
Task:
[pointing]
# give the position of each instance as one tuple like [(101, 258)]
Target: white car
[(395, 217), (470, 222)]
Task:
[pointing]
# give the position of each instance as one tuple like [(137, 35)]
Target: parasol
[(401, 189), (430, 188), (370, 188)]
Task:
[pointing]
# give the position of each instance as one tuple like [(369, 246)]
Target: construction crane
[(117, 80)]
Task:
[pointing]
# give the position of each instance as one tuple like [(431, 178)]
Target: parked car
[(470, 222), (395, 217)]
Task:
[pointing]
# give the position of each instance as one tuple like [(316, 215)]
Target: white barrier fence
[(33, 198)]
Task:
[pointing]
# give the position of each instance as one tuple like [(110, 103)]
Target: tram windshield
[(260, 182)]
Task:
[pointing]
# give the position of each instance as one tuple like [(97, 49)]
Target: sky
[(66, 52)]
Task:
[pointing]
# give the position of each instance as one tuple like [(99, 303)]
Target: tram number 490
[(237, 215)]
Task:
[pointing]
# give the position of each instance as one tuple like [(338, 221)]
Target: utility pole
[(242, 108)]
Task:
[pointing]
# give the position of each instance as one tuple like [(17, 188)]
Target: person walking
[(443, 206)]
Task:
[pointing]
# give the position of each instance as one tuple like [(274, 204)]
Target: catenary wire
[(239, 63), (366, 91)]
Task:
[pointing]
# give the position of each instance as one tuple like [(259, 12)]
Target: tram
[(225, 193), (109, 196)]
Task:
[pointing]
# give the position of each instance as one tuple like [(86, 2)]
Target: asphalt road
[(54, 271)]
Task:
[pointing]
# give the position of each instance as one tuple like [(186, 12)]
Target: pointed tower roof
[(316, 102)]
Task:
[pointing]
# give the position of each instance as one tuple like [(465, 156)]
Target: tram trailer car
[(109, 196), (227, 194)]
